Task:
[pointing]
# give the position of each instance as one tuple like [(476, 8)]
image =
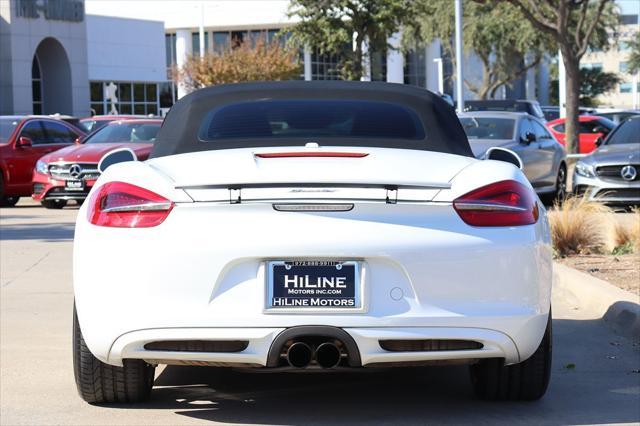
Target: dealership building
[(93, 56), (55, 57)]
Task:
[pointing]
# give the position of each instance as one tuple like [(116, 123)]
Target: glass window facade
[(627, 87), (132, 97), (221, 41), (97, 97), (170, 49), (629, 19), (623, 67), (36, 86), (195, 43), (415, 72), (592, 66), (325, 66), (170, 52)]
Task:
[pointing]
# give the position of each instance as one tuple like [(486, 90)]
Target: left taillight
[(123, 205), (504, 203)]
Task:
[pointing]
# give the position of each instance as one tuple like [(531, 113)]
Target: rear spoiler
[(389, 186)]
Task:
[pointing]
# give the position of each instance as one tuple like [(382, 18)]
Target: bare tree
[(572, 24)]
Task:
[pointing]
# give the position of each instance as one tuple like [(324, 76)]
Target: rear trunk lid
[(252, 174)]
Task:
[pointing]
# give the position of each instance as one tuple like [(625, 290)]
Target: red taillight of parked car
[(122, 205), (504, 203)]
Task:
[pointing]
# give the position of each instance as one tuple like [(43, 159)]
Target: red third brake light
[(122, 205), (299, 154), (504, 203)]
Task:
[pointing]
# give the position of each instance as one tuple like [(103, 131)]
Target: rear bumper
[(426, 275), (495, 344)]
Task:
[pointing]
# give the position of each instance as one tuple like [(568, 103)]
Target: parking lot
[(595, 376)]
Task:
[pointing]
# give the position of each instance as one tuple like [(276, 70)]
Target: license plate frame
[(352, 270), (74, 185)]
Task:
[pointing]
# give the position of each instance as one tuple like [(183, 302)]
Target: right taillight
[(504, 203), (123, 205)]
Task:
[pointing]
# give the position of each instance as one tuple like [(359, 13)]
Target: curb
[(620, 309)]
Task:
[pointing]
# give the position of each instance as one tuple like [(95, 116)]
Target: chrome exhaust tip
[(299, 355), (328, 355)]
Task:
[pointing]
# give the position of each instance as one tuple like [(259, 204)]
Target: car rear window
[(311, 118), (511, 106), (125, 132), (7, 126), (488, 127)]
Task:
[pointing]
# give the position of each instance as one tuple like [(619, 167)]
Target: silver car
[(543, 158), (611, 173)]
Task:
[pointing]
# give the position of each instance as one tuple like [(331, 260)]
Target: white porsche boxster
[(312, 225)]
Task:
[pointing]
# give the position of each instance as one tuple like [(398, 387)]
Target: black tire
[(6, 201), (525, 381), (559, 195), (53, 204), (98, 382)]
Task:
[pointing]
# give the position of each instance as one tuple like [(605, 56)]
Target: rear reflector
[(198, 346), (122, 205), (429, 345), (311, 154), (504, 203)]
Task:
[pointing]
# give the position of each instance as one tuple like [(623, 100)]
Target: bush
[(245, 62), (635, 230), (577, 227), (584, 227)]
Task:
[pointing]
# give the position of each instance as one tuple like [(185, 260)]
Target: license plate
[(313, 284), (74, 185)]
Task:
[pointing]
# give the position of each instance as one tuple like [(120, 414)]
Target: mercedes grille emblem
[(628, 173), (75, 171)]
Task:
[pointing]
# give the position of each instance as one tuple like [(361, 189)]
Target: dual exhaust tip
[(300, 355)]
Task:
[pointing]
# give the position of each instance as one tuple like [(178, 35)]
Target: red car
[(23, 140), (591, 128), (69, 174)]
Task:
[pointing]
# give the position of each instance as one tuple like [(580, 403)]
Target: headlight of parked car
[(584, 169), (41, 167)]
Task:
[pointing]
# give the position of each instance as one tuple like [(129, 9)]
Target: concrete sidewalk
[(620, 309)]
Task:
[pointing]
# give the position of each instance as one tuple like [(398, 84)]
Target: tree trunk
[(572, 79)]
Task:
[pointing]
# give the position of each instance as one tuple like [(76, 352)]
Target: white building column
[(395, 60), (434, 67), (184, 49), (562, 89), (307, 63)]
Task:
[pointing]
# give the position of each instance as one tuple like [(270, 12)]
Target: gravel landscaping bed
[(622, 271)]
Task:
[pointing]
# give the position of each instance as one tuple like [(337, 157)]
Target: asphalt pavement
[(595, 376)]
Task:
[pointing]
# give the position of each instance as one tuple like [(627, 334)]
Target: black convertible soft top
[(376, 115)]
